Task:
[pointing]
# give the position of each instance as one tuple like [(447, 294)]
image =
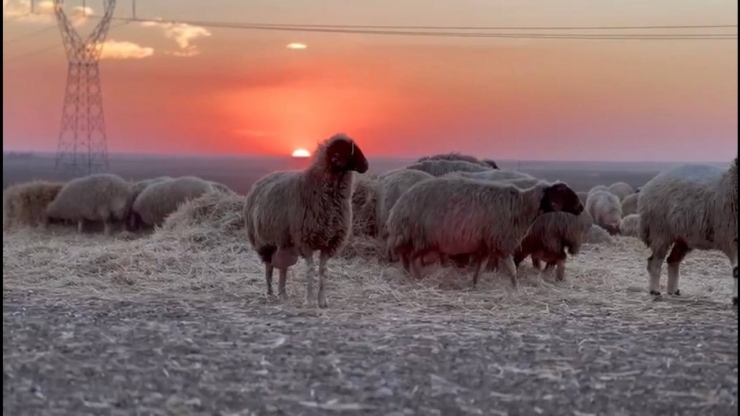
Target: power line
[(28, 35), (640, 36)]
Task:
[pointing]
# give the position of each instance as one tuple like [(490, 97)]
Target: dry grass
[(201, 251)]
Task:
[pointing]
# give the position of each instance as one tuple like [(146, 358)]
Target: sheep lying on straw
[(25, 203), (443, 167), (457, 216), (291, 214), (688, 207), (99, 197)]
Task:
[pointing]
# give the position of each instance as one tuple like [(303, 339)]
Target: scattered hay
[(598, 235), (25, 204), (367, 200), (363, 247), (219, 213)]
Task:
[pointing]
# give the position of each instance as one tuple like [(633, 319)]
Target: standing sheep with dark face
[(688, 207), (291, 214), (456, 216)]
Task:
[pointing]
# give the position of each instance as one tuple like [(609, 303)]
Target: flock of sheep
[(449, 209)]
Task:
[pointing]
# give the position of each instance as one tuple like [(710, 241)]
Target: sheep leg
[(536, 263), (510, 268), (282, 278), (268, 278), (323, 259), (309, 277), (416, 267), (80, 225), (479, 265), (733, 262), (406, 263), (560, 269), (107, 230), (678, 253), (655, 263)]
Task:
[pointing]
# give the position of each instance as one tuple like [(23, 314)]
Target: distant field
[(240, 172)]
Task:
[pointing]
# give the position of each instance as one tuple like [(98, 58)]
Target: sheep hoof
[(676, 293), (655, 293), (322, 303)]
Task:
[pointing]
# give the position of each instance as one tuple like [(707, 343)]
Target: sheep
[(158, 200), (629, 204), (98, 197), (395, 183), (367, 202), (606, 210), (443, 167), (688, 207), (621, 190), (583, 196), (457, 216), (142, 184), (598, 235), (550, 235), (25, 203), (455, 156), (492, 175), (291, 214), (221, 187), (598, 188), (630, 226)]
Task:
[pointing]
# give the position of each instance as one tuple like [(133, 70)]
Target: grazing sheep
[(25, 203), (606, 210), (621, 190), (443, 167), (493, 175), (142, 184), (688, 207), (629, 204), (367, 202), (395, 183), (598, 188), (597, 235), (291, 214), (158, 200), (455, 156), (457, 216), (583, 196), (549, 237), (630, 226), (98, 197)]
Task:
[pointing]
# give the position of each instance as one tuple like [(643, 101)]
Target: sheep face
[(560, 197), (345, 155), (133, 221), (491, 163)]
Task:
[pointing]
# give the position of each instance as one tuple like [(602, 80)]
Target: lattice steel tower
[(82, 141)]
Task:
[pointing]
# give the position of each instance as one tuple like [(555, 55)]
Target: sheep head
[(560, 197), (491, 163), (344, 155)]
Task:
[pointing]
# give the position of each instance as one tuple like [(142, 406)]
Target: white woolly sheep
[(367, 203), (630, 226), (606, 210), (395, 183), (688, 207), (218, 186), (443, 167), (550, 236), (455, 156), (158, 200), (291, 214), (98, 197), (598, 188), (621, 190), (629, 205), (25, 203), (597, 235), (457, 216)]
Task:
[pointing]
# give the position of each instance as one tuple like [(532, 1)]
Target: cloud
[(20, 11), (254, 133), (183, 34), (113, 49)]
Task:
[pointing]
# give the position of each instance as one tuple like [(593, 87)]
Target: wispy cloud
[(20, 11), (183, 34), (113, 49)]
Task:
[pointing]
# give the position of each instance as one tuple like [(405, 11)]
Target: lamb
[(630, 226), (25, 203), (291, 214), (457, 216), (493, 175), (629, 204), (549, 237), (158, 200), (621, 190), (443, 167), (606, 210), (689, 207), (455, 156), (367, 202), (98, 197)]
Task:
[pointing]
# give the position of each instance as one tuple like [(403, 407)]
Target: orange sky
[(205, 90)]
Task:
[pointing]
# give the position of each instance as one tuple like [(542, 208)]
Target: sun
[(301, 153)]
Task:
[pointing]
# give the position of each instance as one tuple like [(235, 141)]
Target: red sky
[(243, 92)]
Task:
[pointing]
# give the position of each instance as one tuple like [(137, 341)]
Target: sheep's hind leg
[(309, 277), (323, 259), (480, 264), (268, 278), (80, 226), (416, 267), (107, 230), (678, 253), (282, 278), (655, 263), (510, 268), (560, 269)]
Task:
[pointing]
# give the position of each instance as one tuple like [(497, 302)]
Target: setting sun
[(301, 153)]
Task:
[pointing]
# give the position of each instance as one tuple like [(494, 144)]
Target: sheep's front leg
[(560, 269), (480, 264), (323, 259), (107, 230), (80, 225), (678, 253), (510, 268), (282, 279), (416, 267), (655, 263), (309, 277), (268, 278)]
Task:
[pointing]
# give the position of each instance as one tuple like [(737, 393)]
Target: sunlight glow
[(301, 153), (297, 46)]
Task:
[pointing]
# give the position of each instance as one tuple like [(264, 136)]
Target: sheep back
[(96, 197), (629, 204), (606, 210), (621, 190), (395, 183), (443, 167), (160, 199), (630, 226), (495, 175)]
